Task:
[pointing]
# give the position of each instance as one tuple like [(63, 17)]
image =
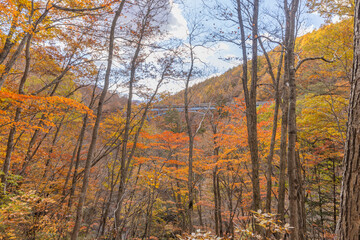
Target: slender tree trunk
[(53, 143), (177, 198), (251, 112), (77, 161), (191, 142), (9, 150), (219, 205), (79, 212), (250, 97), (334, 192), (12, 60), (348, 227), (149, 214), (296, 195), (73, 156), (276, 82), (283, 152), (77, 150), (108, 202), (10, 41), (10, 143), (216, 187), (199, 208), (319, 193), (216, 210), (125, 157), (26, 40)]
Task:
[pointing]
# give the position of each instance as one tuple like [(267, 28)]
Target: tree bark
[(276, 82), (191, 143), (252, 115), (216, 186), (348, 227), (26, 40), (250, 98), (283, 148), (296, 195)]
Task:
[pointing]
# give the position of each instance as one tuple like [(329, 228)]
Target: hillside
[(333, 41)]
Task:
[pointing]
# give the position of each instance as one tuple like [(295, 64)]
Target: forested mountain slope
[(332, 41)]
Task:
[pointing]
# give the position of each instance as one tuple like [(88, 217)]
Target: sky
[(217, 56)]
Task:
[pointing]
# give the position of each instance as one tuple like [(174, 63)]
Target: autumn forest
[(179, 119)]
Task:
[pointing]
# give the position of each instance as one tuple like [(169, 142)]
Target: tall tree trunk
[(250, 97), (78, 149), (53, 143), (201, 222), (334, 192), (77, 161), (191, 140), (79, 212), (216, 186), (283, 145), (126, 156), (10, 41), (216, 210), (107, 203), (348, 227), (276, 82), (12, 60), (219, 205), (251, 112), (10, 142), (296, 195), (319, 193), (26, 40)]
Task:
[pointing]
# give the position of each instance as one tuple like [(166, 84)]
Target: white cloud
[(204, 53), (223, 46), (177, 25), (306, 29)]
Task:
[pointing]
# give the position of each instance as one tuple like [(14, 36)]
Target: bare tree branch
[(311, 59)]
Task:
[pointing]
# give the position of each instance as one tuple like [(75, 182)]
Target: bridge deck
[(203, 106)]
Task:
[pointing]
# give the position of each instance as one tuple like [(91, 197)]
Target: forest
[(179, 119)]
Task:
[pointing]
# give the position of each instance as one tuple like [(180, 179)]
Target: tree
[(348, 226), (250, 93), (195, 30), (296, 195), (79, 213), (331, 8), (277, 97), (321, 130)]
